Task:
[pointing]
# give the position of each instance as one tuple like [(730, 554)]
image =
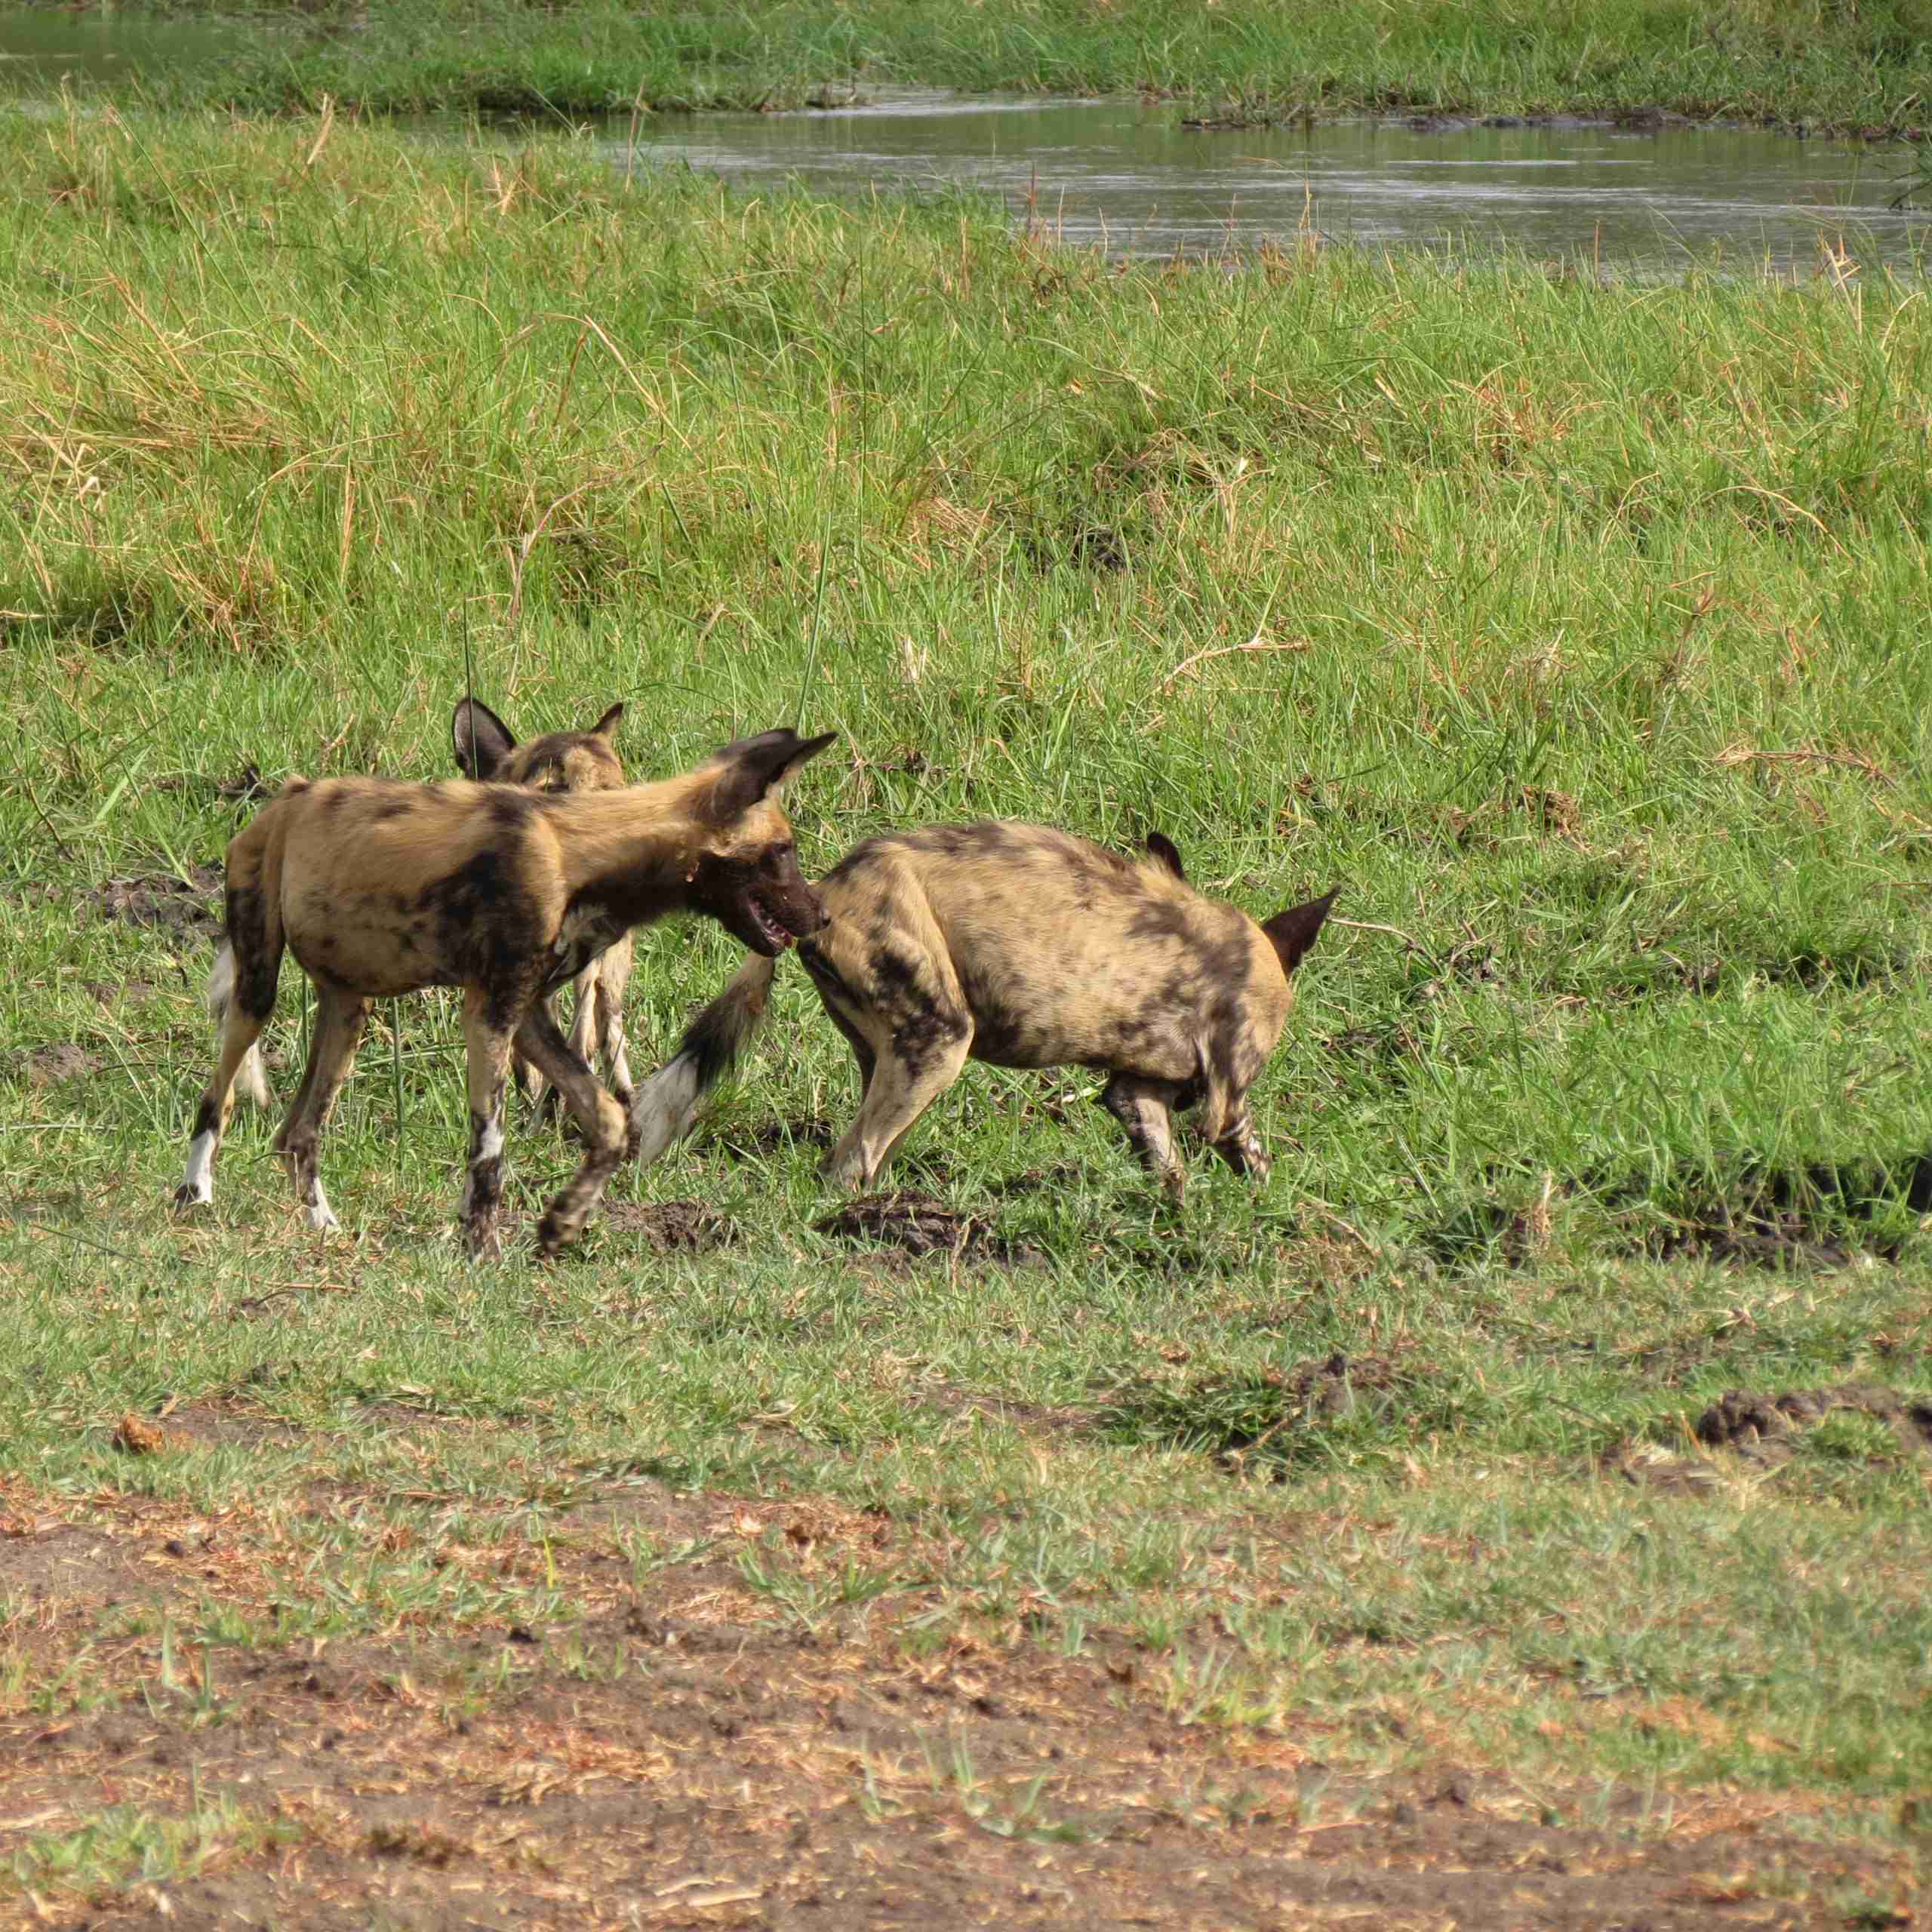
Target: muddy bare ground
[(914, 1224), (183, 910), (689, 1753)]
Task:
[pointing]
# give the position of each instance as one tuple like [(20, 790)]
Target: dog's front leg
[(488, 1039), (603, 1122), (1240, 1147), (1141, 1106)]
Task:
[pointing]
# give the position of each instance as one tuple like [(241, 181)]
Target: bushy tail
[(666, 1108), (251, 1080)]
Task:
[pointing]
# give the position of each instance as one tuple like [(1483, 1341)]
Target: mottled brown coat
[(560, 762), (1023, 946), (380, 888)]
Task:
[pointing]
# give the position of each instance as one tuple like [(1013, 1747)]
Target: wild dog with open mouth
[(487, 750), (380, 888), (1022, 946)]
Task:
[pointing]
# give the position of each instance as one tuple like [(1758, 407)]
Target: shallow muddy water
[(37, 47), (1134, 179)]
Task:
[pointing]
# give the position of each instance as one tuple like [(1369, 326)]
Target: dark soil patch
[(689, 1757), (116, 992), (771, 1136), (672, 1227), (183, 910), (1762, 1427), (52, 1065), (913, 1226)]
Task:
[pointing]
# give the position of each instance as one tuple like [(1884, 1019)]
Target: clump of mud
[(183, 910), (51, 1066), (672, 1227), (911, 1226), (1761, 1428)]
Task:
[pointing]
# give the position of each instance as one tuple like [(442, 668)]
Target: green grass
[(1826, 66), (1577, 631)]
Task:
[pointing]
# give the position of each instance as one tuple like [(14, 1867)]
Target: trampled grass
[(1818, 64), (1576, 631)]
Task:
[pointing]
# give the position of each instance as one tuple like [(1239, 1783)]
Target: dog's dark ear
[(606, 727), (751, 768), (1164, 849), (480, 739), (1292, 933)]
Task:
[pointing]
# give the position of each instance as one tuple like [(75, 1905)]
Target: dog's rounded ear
[(480, 739), (1164, 849), (606, 727), (750, 768), (1292, 933)]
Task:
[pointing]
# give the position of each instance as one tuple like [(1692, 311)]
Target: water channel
[(1134, 178)]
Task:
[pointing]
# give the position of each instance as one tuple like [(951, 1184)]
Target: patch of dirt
[(1761, 1427), (672, 1227), (689, 1755), (115, 993), (771, 1136), (52, 1065), (183, 910), (913, 1226)]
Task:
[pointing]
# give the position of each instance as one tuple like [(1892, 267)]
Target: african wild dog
[(559, 761), (1022, 946), (379, 887)]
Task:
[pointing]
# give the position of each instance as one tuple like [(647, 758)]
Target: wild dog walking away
[(380, 888), (559, 761), (1022, 946)]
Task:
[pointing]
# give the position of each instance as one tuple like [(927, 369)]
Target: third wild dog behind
[(487, 750), (380, 888), (1022, 946)]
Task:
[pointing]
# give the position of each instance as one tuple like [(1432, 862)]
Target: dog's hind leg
[(238, 1034), (1142, 1107), (603, 1121), (242, 989), (489, 1046), (613, 974), (905, 1078), (339, 1019), (251, 1080)]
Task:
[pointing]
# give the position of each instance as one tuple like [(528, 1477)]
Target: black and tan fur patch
[(560, 762)]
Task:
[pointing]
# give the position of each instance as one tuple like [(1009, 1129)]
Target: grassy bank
[(1825, 66), (1577, 632)]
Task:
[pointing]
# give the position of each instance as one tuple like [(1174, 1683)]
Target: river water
[(1131, 178)]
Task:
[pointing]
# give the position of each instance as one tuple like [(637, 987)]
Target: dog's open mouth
[(769, 936)]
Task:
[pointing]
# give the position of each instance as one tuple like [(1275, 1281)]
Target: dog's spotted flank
[(1023, 946), (380, 888)]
